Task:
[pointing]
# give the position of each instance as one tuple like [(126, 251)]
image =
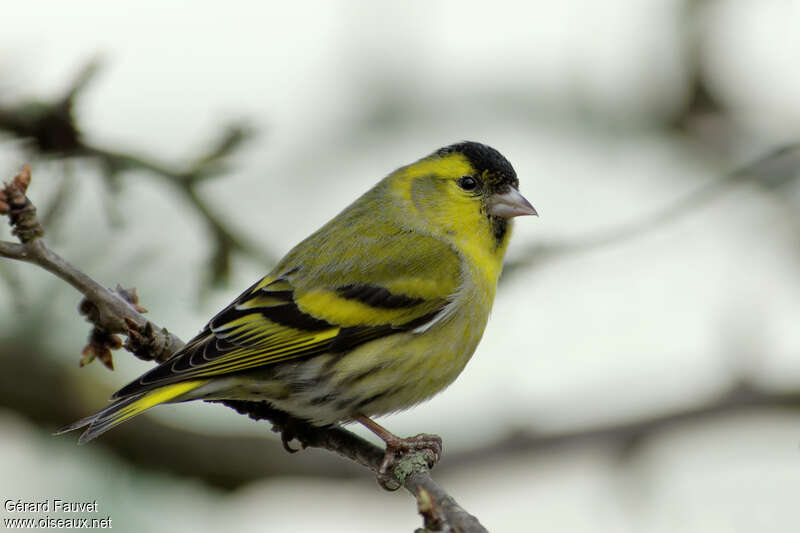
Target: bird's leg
[(396, 447)]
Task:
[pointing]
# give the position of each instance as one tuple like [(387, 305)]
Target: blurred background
[(641, 370)]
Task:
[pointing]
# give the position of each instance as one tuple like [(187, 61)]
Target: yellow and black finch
[(377, 311)]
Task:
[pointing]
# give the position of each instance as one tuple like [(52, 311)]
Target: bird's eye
[(468, 183)]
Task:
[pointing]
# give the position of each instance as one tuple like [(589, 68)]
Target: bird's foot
[(398, 461), (403, 456), (292, 429)]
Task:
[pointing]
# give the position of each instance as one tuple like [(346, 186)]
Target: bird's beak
[(510, 204)]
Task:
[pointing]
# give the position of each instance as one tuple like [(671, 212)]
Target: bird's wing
[(289, 316)]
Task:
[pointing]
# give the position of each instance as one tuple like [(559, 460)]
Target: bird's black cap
[(493, 167)]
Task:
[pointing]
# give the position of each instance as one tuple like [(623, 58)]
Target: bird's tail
[(126, 408)]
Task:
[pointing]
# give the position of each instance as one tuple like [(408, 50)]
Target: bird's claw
[(291, 430), (396, 451)]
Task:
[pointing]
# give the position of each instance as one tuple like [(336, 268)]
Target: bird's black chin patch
[(499, 228)]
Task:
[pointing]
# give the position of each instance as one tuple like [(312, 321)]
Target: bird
[(375, 312)]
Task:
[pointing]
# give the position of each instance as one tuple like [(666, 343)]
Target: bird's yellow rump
[(378, 310)]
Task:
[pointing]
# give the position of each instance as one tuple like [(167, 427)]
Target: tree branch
[(53, 130), (113, 312)]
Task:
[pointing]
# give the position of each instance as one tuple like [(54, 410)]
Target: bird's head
[(468, 191)]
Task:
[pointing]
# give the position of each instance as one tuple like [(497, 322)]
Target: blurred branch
[(779, 166), (53, 130), (632, 434), (187, 182), (118, 312)]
